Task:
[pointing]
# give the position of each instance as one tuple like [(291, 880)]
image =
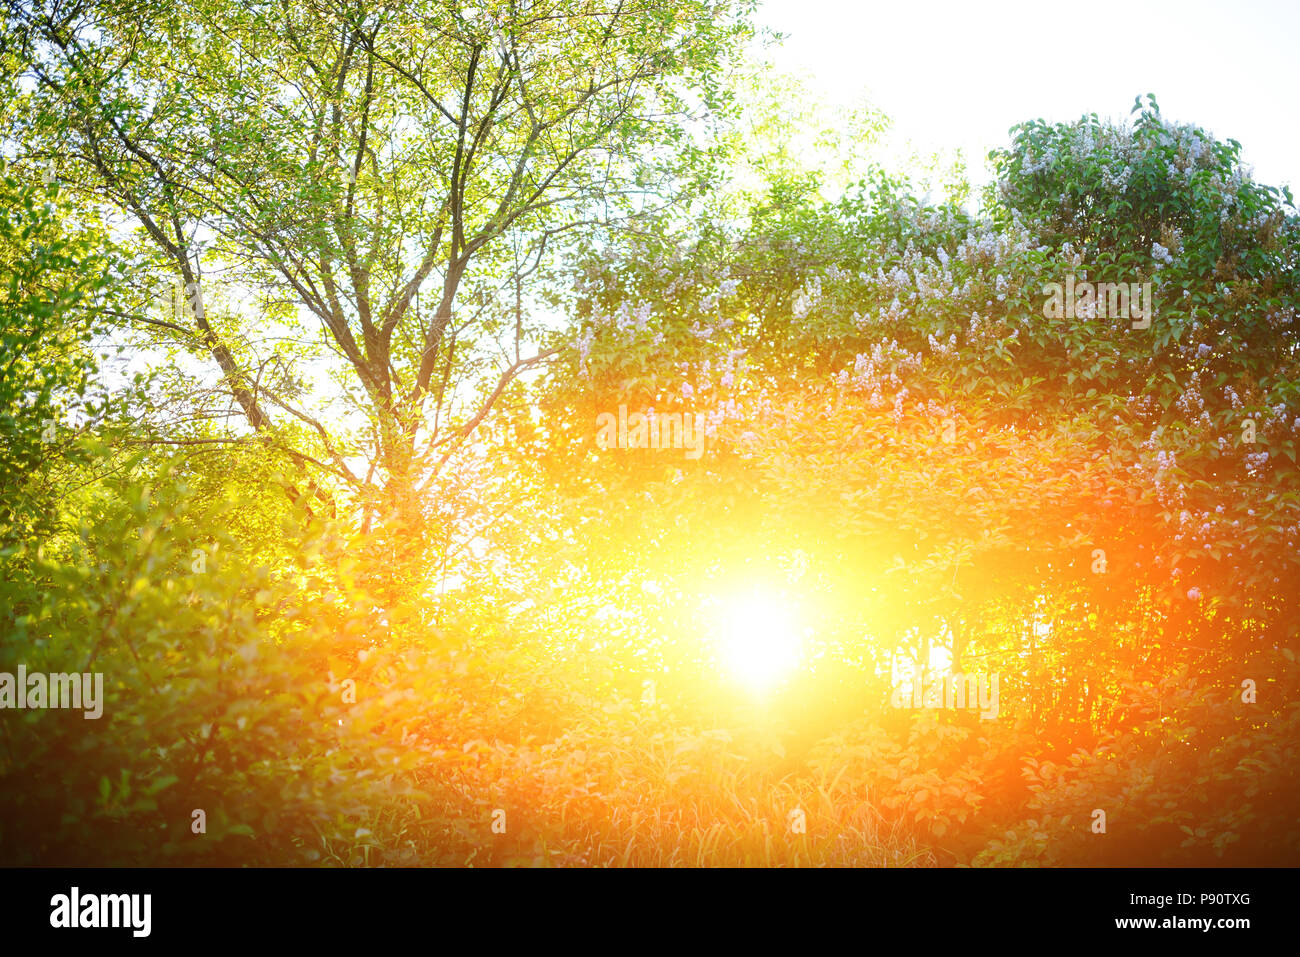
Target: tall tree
[(396, 174)]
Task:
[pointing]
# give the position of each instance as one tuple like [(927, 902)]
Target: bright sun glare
[(758, 640)]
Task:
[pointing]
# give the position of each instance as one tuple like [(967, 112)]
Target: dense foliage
[(367, 594)]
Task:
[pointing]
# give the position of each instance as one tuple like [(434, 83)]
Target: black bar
[(1005, 910)]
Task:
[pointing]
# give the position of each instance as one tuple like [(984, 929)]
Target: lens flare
[(759, 641)]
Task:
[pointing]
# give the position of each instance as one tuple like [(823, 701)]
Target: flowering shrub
[(948, 476)]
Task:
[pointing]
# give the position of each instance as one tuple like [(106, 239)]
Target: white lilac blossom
[(808, 297), (878, 369), (627, 318), (584, 343), (943, 348), (1255, 461)]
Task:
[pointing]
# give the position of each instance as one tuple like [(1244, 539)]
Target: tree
[(51, 306), (345, 159)]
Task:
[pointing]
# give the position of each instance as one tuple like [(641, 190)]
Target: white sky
[(958, 73)]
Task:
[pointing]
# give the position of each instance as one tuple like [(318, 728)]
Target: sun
[(758, 639)]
